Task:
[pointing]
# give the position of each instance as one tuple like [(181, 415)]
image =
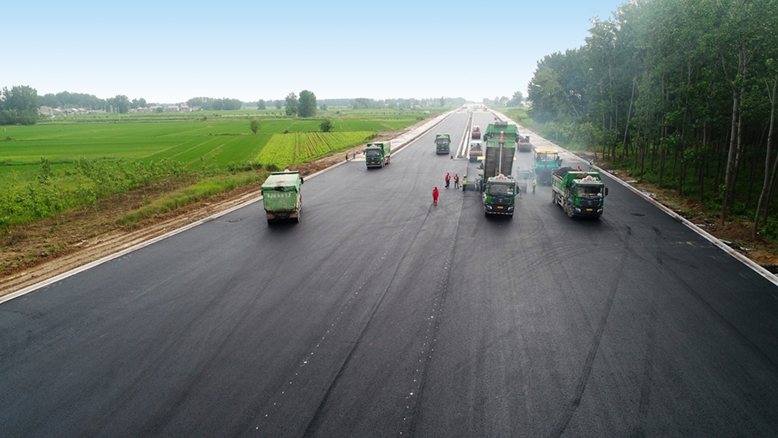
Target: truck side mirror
[(606, 191), (301, 180)]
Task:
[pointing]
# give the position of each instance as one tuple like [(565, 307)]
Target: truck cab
[(499, 195), (282, 197), (378, 154), (476, 132), (579, 193), (442, 142)]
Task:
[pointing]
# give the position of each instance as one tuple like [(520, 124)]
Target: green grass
[(284, 150), (194, 193), (90, 157)]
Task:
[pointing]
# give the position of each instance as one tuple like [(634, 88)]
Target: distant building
[(46, 111), (171, 108), (184, 108)]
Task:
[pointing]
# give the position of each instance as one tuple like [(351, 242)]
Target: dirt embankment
[(736, 233)]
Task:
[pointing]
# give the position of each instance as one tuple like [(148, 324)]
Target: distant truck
[(442, 143), (578, 193), (282, 197), (498, 191), (524, 144), (378, 154), (546, 161), (476, 132)]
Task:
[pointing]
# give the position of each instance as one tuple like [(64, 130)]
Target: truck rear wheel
[(271, 221)]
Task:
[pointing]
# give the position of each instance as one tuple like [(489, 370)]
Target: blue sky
[(171, 51)]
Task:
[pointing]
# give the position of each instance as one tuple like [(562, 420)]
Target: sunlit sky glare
[(171, 51)]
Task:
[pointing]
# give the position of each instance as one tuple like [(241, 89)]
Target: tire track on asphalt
[(433, 329), (594, 347), (317, 417)]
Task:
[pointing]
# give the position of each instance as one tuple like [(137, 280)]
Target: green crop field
[(284, 150), (70, 161)]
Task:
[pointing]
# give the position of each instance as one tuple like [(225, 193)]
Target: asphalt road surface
[(380, 314)]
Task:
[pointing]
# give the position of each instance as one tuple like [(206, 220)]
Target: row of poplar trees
[(682, 90)]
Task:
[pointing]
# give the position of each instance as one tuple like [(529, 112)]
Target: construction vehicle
[(509, 132), (524, 179), (378, 154), (524, 144), (442, 143), (281, 196), (579, 193), (498, 190), (546, 161), (476, 132), (475, 151)]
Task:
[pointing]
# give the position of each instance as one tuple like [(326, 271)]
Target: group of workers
[(456, 180), (436, 193)]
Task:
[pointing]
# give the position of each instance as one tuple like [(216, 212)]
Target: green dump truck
[(442, 143), (546, 161), (498, 156), (499, 195), (282, 197), (509, 132), (498, 191), (378, 154), (578, 193)]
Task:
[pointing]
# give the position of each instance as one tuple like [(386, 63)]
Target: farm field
[(219, 141), (75, 161)]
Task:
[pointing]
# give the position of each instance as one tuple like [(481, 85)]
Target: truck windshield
[(501, 189), (588, 190), (372, 153), (442, 141)]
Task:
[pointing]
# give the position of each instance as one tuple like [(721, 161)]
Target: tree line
[(363, 103), (211, 104), (19, 105), (680, 91)]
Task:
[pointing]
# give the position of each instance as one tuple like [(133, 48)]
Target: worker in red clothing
[(435, 195), (448, 179)]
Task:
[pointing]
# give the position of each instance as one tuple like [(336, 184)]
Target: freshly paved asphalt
[(380, 314)]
